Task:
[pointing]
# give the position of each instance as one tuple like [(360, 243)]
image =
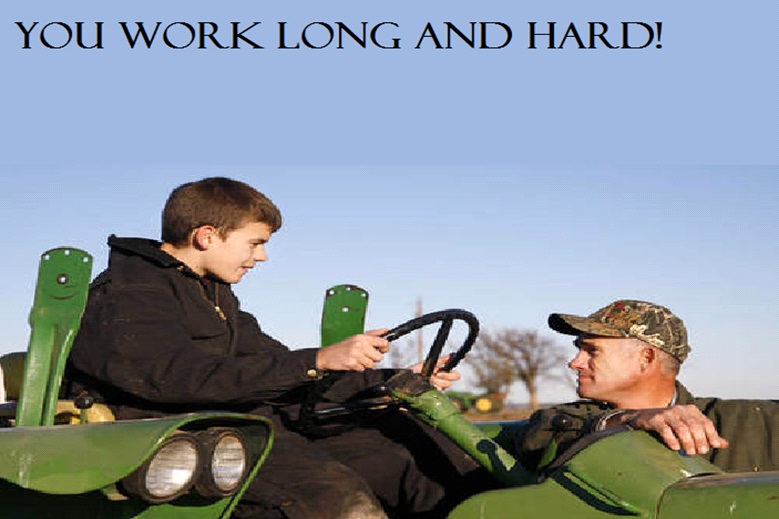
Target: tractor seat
[(12, 371), (11, 377)]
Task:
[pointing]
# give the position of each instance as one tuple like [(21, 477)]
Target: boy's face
[(230, 258)]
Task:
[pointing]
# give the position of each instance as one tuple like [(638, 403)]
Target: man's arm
[(552, 430), (680, 426)]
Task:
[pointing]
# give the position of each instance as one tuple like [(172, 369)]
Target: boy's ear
[(204, 236)]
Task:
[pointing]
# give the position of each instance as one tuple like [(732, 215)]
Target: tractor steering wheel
[(311, 413), (446, 317)]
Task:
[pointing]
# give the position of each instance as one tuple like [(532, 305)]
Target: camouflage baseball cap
[(651, 323)]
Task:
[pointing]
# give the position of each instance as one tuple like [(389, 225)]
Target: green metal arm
[(60, 297), (343, 313)]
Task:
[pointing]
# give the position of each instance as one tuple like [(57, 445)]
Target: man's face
[(608, 368), (230, 258)]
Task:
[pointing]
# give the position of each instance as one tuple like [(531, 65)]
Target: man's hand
[(439, 379), (356, 353), (680, 427)]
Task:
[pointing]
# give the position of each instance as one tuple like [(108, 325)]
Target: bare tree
[(507, 356)]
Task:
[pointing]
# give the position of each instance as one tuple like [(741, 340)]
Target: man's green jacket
[(750, 426)]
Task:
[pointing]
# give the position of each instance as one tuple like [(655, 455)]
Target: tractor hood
[(735, 496), (73, 459)]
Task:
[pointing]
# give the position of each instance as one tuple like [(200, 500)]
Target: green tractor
[(70, 459), (483, 403)]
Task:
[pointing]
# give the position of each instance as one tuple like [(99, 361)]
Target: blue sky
[(511, 182)]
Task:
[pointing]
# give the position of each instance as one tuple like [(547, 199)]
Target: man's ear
[(204, 236), (648, 357)]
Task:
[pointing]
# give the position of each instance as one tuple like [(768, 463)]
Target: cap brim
[(577, 325)]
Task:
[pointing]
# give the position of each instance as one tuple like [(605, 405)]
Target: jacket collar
[(683, 397), (148, 250)]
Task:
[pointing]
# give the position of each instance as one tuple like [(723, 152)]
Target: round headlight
[(229, 462), (169, 473), (226, 468), (172, 469)]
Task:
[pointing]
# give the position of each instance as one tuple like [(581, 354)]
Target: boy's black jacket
[(152, 342)]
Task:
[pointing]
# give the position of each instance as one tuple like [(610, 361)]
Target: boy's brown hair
[(224, 203)]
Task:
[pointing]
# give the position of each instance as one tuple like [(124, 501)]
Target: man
[(629, 355), (163, 333)]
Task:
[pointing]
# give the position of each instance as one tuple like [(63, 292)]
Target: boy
[(163, 333)]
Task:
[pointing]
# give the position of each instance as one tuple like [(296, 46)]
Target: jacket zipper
[(218, 309), (215, 302)]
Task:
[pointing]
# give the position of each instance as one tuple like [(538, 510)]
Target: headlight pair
[(213, 461)]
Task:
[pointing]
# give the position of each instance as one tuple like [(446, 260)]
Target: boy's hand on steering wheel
[(356, 353), (441, 380)]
